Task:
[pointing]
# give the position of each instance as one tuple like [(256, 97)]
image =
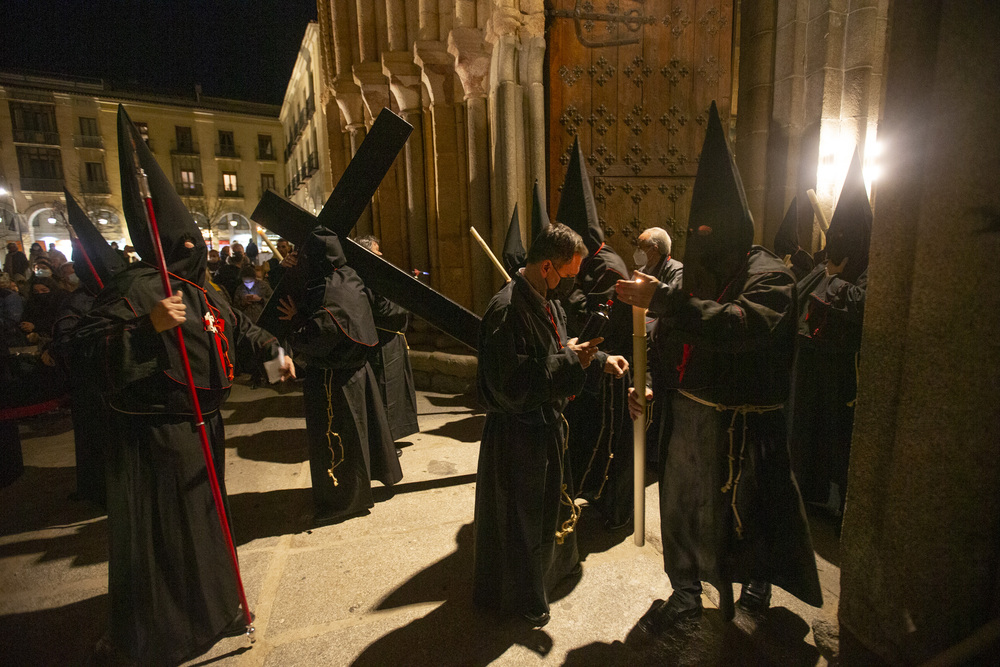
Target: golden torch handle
[(274, 251), (489, 253), (639, 425)]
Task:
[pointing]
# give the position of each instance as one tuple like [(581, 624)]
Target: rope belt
[(327, 384), (569, 525), (398, 333), (743, 410)]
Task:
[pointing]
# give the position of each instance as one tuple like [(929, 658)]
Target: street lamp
[(4, 192)]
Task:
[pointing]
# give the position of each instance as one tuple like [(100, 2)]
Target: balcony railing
[(227, 151), (89, 141), (95, 187), (312, 164), (231, 194), (184, 148), (266, 155), (36, 137), (190, 189), (310, 106), (43, 184)]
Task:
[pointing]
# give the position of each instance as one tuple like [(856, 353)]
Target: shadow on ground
[(467, 429), (60, 636), (267, 405), (823, 529), (453, 401), (40, 498), (456, 632), (776, 638), (270, 513), (285, 446)]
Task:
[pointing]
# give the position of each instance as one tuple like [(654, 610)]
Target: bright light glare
[(52, 221), (3, 192), (232, 222), (103, 221)]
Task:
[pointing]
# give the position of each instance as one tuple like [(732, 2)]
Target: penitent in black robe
[(333, 336), (526, 375), (170, 580), (89, 412), (737, 354), (825, 385), (662, 358), (391, 364), (600, 428)]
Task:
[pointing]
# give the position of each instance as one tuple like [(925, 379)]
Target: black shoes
[(535, 620), (755, 597), (665, 615)]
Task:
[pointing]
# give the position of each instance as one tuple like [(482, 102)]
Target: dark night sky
[(241, 49)]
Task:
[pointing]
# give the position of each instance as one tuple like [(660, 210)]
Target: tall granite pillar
[(450, 252), (532, 61), (508, 151), (919, 551), (404, 82), (472, 64)]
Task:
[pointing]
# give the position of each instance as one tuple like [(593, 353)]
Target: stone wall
[(921, 534)]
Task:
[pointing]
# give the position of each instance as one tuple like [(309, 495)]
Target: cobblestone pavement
[(389, 588)]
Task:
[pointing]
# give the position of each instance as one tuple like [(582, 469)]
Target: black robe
[(90, 414), (662, 357), (737, 353), (525, 378), (825, 385), (600, 428), (171, 585), (349, 437), (391, 364)]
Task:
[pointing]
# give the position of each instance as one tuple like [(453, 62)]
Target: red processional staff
[(206, 447)]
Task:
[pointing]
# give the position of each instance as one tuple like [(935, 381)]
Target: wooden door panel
[(634, 81)]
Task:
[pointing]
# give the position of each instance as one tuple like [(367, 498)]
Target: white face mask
[(43, 273), (249, 283), (639, 257), (72, 279)]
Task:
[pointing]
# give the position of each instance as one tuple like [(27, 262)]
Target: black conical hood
[(786, 241), (577, 209), (539, 215), (720, 228), (851, 226), (173, 219), (91, 252), (514, 255)]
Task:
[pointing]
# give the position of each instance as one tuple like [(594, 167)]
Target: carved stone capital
[(374, 86), (437, 71), (472, 60), (404, 79), (348, 95)]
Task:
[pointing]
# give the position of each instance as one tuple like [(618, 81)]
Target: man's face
[(648, 246), (375, 249), (39, 288), (553, 274), (282, 247), (11, 247)]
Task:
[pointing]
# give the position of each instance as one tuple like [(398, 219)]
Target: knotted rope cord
[(857, 376), (328, 385), (733, 482), (569, 524)]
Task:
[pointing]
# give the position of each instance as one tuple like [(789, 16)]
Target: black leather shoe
[(535, 620), (663, 616), (755, 597)]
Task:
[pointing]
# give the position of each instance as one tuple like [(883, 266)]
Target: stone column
[(472, 63), (508, 163), (449, 246), (919, 556), (532, 60), (404, 82)]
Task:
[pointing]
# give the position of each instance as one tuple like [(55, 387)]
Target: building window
[(267, 182), (34, 123), (41, 168), (265, 148), (227, 145), (185, 140), (187, 179), (88, 127), (229, 181), (95, 172)]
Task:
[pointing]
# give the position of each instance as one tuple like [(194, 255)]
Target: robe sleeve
[(387, 314), (844, 300), (254, 345), (745, 323), (513, 381), (120, 351)]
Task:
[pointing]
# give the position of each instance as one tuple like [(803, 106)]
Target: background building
[(62, 132)]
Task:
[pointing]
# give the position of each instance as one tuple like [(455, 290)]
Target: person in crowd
[(731, 511), (15, 264), (228, 275), (37, 251), (251, 293), (528, 369), (277, 267), (44, 301), (56, 257), (391, 362), (333, 336), (214, 262), (11, 311)]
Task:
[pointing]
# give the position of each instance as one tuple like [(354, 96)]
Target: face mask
[(72, 280), (639, 257), (249, 283), (562, 290), (43, 273)]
